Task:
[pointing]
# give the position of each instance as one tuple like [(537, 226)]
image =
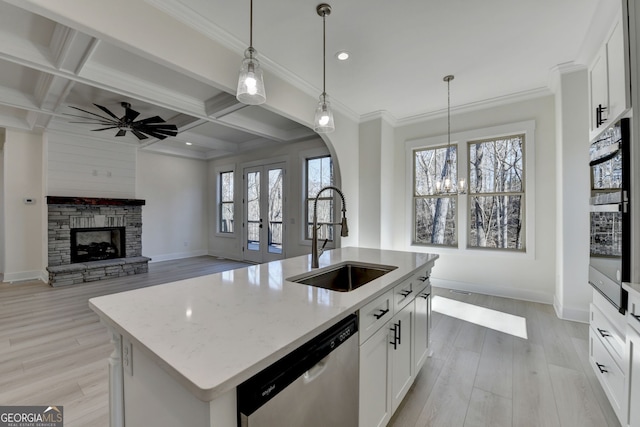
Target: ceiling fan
[(153, 126)]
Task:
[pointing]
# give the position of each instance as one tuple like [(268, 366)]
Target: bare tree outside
[(496, 193), (320, 175), (435, 214), (226, 202)]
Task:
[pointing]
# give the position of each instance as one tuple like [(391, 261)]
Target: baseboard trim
[(24, 276), (177, 255), (498, 291), (573, 314)]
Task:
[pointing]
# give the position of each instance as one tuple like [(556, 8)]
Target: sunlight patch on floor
[(482, 316)]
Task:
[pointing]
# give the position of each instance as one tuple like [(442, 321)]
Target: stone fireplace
[(94, 238), (97, 244)]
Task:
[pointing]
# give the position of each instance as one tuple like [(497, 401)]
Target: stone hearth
[(67, 213)]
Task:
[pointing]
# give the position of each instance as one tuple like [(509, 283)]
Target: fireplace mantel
[(93, 201)]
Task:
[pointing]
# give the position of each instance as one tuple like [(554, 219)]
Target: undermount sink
[(343, 277)]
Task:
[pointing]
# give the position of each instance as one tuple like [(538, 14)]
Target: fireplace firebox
[(96, 244)]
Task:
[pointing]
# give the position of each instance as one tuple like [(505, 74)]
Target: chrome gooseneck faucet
[(344, 229)]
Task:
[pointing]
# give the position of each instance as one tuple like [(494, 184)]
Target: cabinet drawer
[(375, 314), (607, 371), (406, 291), (634, 311), (611, 338)]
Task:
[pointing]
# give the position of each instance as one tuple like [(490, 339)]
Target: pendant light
[(449, 186), (323, 122), (250, 84)]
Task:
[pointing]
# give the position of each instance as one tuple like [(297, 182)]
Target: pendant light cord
[(324, 54), (448, 113), (251, 24)]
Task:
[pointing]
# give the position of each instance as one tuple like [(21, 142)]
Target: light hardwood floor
[(482, 377), (53, 351)]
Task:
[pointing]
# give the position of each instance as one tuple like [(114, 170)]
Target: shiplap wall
[(84, 167)]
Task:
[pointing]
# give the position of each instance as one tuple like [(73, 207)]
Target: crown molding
[(379, 115), (479, 105)]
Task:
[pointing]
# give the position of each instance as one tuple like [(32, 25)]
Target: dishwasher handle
[(316, 370)]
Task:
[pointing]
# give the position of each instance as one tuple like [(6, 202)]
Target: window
[(496, 193), (496, 214), (226, 202), (435, 214), (319, 171)]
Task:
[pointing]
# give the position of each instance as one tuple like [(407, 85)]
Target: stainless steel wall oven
[(610, 213)]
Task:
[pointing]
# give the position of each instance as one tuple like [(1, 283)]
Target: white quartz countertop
[(213, 332), (632, 287)]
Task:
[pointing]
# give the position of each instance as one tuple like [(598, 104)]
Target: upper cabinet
[(609, 78)]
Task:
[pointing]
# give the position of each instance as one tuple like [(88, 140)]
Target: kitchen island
[(182, 348)]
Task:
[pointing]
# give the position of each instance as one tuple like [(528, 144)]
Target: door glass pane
[(253, 211), (275, 211)]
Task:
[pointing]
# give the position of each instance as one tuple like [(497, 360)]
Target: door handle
[(601, 367), (406, 292), (603, 333)]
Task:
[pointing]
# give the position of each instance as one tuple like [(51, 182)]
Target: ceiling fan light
[(250, 82), (323, 122)]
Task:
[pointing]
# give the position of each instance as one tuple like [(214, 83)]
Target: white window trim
[(304, 155), (461, 139), (217, 171)]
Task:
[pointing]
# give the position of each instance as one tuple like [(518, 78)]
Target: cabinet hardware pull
[(424, 295), (382, 313), (599, 119), (399, 332), (636, 316), (406, 292), (395, 336), (603, 333), (601, 367), (423, 278)]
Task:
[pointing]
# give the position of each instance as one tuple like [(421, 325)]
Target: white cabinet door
[(598, 91), (402, 370), (421, 330), (633, 349), (375, 390), (617, 76)]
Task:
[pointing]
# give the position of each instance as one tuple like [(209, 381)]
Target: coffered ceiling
[(497, 49)]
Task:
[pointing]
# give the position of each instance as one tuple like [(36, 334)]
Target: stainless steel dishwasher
[(314, 385)]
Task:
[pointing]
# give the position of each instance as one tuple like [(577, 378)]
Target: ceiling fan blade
[(121, 133), (110, 127), (106, 110), (155, 134), (88, 112), (140, 135), (130, 115), (154, 119), (97, 123), (162, 126), (154, 131)]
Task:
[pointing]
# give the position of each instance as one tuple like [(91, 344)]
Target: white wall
[(175, 218), (573, 294), (80, 166), (229, 246), (24, 224), (513, 275)]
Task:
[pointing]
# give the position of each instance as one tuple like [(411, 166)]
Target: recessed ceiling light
[(188, 143), (343, 55)]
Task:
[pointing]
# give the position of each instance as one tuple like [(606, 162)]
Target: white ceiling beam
[(221, 105)]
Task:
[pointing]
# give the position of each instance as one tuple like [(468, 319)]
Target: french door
[(264, 208)]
